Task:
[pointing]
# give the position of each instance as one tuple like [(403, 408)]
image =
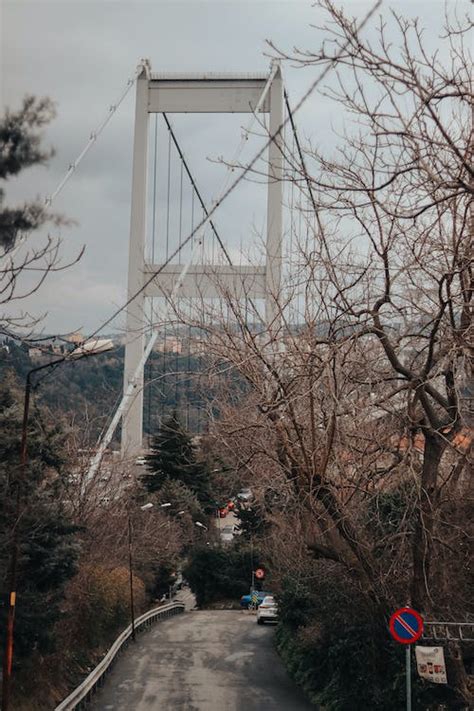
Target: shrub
[(337, 647), (98, 600)]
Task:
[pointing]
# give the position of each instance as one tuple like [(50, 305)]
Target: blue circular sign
[(406, 625)]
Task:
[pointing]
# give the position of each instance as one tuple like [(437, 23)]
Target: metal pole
[(408, 675), (130, 567)]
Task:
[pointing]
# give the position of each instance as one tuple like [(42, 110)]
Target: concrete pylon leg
[(274, 208), (132, 424)]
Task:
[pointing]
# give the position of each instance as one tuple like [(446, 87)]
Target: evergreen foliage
[(181, 498), (173, 458), (20, 148), (252, 521), (338, 648), (48, 551), (219, 573)]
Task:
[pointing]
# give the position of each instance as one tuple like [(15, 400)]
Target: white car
[(267, 610), (227, 534)]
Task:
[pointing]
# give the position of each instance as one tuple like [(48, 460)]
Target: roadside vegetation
[(73, 569), (356, 431)]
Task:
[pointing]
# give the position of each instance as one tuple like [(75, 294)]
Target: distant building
[(35, 353), (170, 344), (75, 338)]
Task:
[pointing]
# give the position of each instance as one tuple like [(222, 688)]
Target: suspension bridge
[(179, 263), (176, 253)]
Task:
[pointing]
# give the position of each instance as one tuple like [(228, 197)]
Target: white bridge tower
[(211, 93)]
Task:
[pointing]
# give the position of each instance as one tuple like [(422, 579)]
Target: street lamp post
[(130, 565), (87, 349)]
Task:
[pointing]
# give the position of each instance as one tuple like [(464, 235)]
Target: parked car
[(245, 495), (246, 600), (267, 610)]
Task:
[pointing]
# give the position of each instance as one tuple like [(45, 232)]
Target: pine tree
[(252, 521), (20, 148), (173, 458), (48, 550)]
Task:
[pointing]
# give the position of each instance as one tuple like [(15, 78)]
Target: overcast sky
[(81, 53)]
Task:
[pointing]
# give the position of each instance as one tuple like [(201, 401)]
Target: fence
[(79, 697), (448, 631)]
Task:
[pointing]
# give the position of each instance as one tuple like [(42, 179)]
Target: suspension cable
[(300, 152), (195, 187)]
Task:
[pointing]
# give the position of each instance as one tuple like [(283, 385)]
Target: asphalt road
[(201, 661)]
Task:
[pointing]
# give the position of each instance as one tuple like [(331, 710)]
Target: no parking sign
[(406, 625)]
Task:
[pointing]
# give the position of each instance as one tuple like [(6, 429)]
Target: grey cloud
[(81, 52)]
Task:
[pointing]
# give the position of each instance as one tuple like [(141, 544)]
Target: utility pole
[(130, 568)]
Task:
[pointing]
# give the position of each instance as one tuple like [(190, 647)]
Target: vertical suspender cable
[(180, 212), (292, 235), (168, 200), (153, 237), (177, 339), (188, 381), (165, 335)]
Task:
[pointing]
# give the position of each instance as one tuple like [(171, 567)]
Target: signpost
[(406, 627), (254, 599)]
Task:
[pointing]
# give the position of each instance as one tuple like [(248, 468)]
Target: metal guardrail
[(449, 631), (81, 694)]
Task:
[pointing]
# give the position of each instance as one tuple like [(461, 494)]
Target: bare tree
[(370, 386)]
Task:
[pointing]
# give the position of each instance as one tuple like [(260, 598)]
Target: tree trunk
[(425, 518), (422, 551), (457, 676)]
